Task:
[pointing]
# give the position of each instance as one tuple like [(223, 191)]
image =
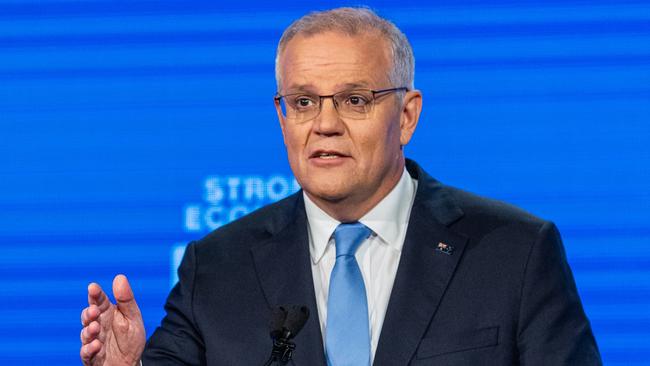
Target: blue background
[(114, 114)]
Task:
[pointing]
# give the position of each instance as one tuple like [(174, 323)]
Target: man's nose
[(328, 121)]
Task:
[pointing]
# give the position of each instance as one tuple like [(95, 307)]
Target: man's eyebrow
[(358, 84), (301, 88)]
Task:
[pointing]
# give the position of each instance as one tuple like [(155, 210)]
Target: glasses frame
[(278, 99)]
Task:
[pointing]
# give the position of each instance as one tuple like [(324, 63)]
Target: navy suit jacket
[(501, 293)]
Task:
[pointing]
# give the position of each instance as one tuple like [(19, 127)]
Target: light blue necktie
[(347, 333)]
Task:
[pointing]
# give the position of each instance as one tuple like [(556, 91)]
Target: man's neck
[(351, 209)]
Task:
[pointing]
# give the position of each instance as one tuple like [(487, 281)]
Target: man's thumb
[(124, 298)]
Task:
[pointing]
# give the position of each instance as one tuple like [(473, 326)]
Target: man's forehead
[(325, 42), (312, 88), (324, 82), (334, 61)]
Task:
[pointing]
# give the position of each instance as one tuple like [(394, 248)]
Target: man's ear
[(410, 114)]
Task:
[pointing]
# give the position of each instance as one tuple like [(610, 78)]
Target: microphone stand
[(286, 322), (282, 350)]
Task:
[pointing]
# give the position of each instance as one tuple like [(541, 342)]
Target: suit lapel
[(283, 268), (423, 273)]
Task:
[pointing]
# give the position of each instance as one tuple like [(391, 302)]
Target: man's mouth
[(327, 155)]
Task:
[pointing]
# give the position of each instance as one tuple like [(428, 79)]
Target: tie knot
[(348, 237)]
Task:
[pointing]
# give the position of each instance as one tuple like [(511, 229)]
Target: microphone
[(286, 322)]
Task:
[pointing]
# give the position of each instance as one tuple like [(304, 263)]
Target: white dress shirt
[(378, 256)]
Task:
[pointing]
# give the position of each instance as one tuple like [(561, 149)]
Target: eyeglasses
[(353, 104)]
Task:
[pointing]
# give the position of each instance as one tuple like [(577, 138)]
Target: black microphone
[(286, 322)]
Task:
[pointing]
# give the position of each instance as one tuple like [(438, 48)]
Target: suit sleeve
[(553, 328), (178, 340)]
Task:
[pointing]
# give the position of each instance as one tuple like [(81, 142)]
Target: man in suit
[(396, 267)]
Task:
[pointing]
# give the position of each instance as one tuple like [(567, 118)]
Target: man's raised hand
[(112, 334)]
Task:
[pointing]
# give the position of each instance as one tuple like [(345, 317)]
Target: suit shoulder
[(253, 228), (492, 213), (454, 206), (497, 227)]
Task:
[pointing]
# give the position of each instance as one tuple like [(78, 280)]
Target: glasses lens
[(300, 107), (354, 104)]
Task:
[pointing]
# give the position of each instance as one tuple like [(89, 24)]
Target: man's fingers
[(84, 317), (89, 314), (90, 333), (124, 297), (88, 351), (96, 296)]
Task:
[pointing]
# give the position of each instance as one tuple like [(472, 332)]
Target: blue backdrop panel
[(129, 128)]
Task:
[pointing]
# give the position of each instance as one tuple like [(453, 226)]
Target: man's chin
[(326, 194)]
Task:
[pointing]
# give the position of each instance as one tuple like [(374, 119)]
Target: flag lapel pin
[(445, 248)]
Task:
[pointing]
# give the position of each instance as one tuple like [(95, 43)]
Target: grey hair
[(355, 21)]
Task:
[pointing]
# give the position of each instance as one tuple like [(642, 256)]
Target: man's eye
[(356, 100), (304, 102)]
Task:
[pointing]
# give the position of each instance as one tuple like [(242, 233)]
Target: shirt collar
[(387, 219)]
